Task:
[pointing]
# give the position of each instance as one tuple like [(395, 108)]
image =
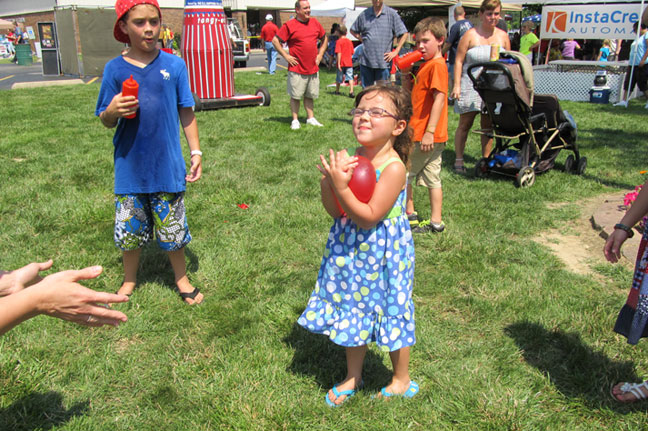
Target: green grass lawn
[(508, 338)]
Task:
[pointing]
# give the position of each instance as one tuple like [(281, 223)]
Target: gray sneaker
[(427, 226)]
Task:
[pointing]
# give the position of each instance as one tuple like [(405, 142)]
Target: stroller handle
[(476, 71)]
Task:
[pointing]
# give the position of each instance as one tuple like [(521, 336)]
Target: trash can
[(600, 94), (24, 54)]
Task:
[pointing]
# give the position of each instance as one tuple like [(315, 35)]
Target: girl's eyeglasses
[(373, 113)]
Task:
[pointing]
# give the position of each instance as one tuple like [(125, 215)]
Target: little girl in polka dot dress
[(363, 292)]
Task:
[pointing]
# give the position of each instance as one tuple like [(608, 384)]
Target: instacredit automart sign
[(610, 21)]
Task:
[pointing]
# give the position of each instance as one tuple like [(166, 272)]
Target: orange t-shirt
[(433, 75)]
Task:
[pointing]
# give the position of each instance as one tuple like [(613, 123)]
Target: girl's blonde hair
[(403, 104), (606, 42)]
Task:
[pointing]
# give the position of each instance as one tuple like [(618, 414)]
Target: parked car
[(240, 45)]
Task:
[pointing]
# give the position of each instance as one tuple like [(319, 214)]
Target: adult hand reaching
[(59, 295), (18, 279)]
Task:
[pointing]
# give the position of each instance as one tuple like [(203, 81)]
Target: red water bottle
[(130, 87), (408, 59)]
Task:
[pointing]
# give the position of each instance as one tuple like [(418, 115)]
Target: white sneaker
[(295, 125), (623, 103), (314, 122)]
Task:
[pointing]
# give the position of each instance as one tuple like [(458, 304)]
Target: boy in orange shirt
[(344, 51), (429, 122)]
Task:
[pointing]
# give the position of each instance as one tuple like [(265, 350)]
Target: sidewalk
[(16, 76)]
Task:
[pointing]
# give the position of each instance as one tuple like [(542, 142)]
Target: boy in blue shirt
[(150, 175)]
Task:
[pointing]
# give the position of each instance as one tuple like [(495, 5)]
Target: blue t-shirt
[(148, 157), (605, 52)]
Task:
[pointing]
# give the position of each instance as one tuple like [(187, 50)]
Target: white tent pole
[(638, 35)]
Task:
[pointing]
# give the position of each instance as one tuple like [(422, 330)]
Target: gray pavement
[(16, 76)]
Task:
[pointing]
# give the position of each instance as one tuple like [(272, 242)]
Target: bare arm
[(289, 58), (389, 56), (638, 209), (190, 127), (356, 35), (59, 295), (18, 279), (446, 47), (329, 201), (427, 143), (339, 170), (462, 49)]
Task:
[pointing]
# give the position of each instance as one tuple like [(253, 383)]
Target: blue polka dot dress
[(364, 286)]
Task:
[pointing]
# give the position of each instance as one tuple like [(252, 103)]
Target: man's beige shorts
[(425, 167), (300, 86)]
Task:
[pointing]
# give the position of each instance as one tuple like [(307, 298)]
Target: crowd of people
[(363, 291)]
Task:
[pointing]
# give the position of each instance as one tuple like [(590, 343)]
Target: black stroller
[(529, 131)]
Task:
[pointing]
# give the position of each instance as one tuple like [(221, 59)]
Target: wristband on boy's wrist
[(625, 228), (196, 153)]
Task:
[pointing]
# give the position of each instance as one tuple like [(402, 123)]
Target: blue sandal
[(409, 393), (349, 394)]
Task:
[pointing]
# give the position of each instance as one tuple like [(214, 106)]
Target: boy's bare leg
[(131, 265), (436, 202), (355, 358), (401, 379), (179, 266)]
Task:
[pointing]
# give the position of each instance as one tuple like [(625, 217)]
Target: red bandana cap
[(123, 6)]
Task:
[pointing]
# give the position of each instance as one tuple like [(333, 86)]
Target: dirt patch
[(579, 243)]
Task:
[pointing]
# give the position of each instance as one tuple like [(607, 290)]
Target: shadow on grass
[(39, 411), (155, 267), (317, 356), (576, 370)]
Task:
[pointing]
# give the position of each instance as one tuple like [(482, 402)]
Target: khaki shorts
[(425, 167), (300, 86)]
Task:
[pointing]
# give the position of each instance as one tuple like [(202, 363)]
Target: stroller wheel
[(525, 177), (481, 168), (581, 165), (569, 163)]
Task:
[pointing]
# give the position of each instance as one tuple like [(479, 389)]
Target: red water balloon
[(363, 180)]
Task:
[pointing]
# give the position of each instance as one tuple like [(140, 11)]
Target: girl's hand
[(339, 169), (612, 249)]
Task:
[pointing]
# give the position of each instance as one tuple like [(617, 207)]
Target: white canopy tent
[(337, 8)]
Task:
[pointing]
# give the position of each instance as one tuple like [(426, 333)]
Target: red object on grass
[(243, 206)]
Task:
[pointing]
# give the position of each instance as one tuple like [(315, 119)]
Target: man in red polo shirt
[(268, 32), (302, 34)]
